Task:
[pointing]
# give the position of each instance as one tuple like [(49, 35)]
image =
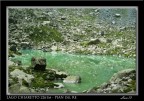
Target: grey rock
[(131, 92), (74, 92), (24, 90), (10, 63), (121, 74), (17, 88), (20, 75), (11, 81), (117, 15), (94, 41), (113, 22), (38, 64), (72, 79), (109, 40), (14, 88), (63, 18), (60, 85)]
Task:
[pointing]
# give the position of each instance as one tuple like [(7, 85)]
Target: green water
[(93, 69)]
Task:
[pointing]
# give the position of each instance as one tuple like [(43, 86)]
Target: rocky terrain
[(94, 31), (36, 78), (81, 31), (122, 82)]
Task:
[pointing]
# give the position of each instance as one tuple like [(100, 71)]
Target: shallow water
[(93, 69)]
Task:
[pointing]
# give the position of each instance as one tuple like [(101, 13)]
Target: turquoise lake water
[(93, 69)]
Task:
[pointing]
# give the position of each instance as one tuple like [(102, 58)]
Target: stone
[(17, 88), (85, 91), (17, 62), (118, 83), (38, 64), (122, 28), (60, 85), (104, 85), (12, 42), (60, 74), (63, 18), (20, 75), (24, 90), (99, 91), (74, 92), (94, 41), (103, 40), (14, 88), (117, 15), (50, 76), (26, 45), (129, 80), (97, 10), (13, 48), (11, 81), (45, 22), (54, 48), (10, 63), (131, 92), (113, 22), (118, 80), (72, 79), (123, 73), (102, 33), (32, 91), (109, 40)]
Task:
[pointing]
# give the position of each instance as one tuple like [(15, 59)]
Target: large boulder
[(38, 64), (60, 74), (121, 74), (22, 76), (17, 88), (72, 79), (122, 82), (50, 75), (60, 85)]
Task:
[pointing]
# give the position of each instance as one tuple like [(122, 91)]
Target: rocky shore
[(77, 31)]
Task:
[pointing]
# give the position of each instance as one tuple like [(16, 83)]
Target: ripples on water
[(93, 69)]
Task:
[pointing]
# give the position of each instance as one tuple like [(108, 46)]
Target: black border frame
[(139, 4)]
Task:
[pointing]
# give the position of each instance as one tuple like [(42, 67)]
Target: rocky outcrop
[(59, 74), (128, 73), (17, 88), (50, 75), (72, 79), (38, 64), (122, 82), (21, 76)]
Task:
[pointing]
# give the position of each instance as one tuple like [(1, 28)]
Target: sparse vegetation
[(80, 31)]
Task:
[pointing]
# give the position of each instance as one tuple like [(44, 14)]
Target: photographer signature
[(126, 97)]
